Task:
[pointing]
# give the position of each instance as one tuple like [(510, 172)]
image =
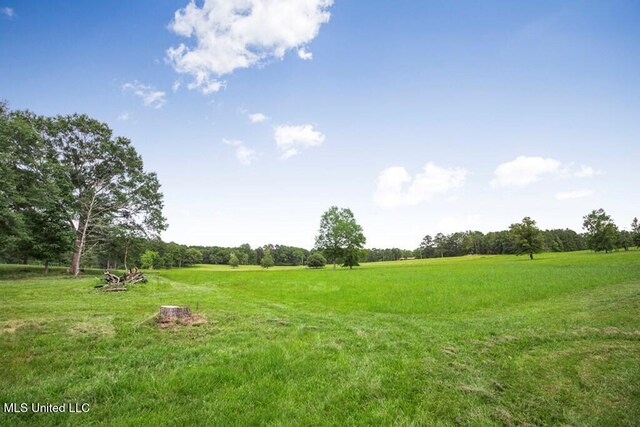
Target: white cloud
[(292, 139), (585, 172), (304, 54), (124, 116), (149, 95), (244, 154), (451, 224), (257, 118), (526, 170), (175, 86), (240, 34), (8, 12), (397, 188), (580, 194)]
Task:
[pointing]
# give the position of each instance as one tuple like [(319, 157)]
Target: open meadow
[(486, 340)]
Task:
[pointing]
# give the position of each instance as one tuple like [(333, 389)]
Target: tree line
[(72, 192), (600, 234)]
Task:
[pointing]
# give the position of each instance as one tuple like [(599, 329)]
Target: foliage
[(105, 181), (340, 236), (635, 232), (316, 260), (192, 256), (234, 261), (267, 260), (527, 237), (71, 173), (32, 216), (150, 259), (602, 232)]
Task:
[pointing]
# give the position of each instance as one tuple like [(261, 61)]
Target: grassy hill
[(471, 340)]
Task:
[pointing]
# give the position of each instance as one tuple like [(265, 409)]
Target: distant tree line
[(600, 234), (282, 255), (494, 243)]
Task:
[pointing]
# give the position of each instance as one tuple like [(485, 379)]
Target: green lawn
[(472, 340)]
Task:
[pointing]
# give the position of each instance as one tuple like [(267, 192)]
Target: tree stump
[(170, 313)]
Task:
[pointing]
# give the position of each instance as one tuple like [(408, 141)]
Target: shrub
[(316, 260), (234, 261)]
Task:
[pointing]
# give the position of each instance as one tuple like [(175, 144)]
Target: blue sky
[(419, 116)]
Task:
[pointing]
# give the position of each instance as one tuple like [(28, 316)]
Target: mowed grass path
[(472, 340)]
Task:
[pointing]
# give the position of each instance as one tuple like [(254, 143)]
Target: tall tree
[(635, 232), (192, 256), (340, 236), (50, 236), (527, 237), (602, 232), (105, 180), (31, 218)]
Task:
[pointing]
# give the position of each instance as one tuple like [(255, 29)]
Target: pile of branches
[(116, 283)]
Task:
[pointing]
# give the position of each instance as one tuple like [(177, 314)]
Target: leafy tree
[(624, 240), (105, 182), (527, 236), (472, 242), (32, 221), (51, 236), (267, 259), (602, 232), (340, 236), (234, 261), (316, 260), (350, 257), (635, 232), (192, 256), (150, 259)]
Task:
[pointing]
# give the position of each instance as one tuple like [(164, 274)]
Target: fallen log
[(120, 283)]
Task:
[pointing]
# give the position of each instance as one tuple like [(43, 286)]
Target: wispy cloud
[(579, 194), (8, 12), (124, 116), (395, 187), (526, 170), (149, 95), (257, 118), (292, 139), (231, 36), (305, 54), (244, 154)]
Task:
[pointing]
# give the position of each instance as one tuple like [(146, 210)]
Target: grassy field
[(472, 341)]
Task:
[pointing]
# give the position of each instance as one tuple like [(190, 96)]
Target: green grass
[(472, 341)]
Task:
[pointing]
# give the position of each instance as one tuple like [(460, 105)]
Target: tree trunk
[(531, 255), (46, 267), (77, 254)]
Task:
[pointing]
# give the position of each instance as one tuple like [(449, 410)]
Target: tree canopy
[(340, 237), (602, 232), (105, 183), (527, 236)]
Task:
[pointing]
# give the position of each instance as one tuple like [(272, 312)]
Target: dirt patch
[(96, 327), (192, 320), (279, 322), (11, 326)]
